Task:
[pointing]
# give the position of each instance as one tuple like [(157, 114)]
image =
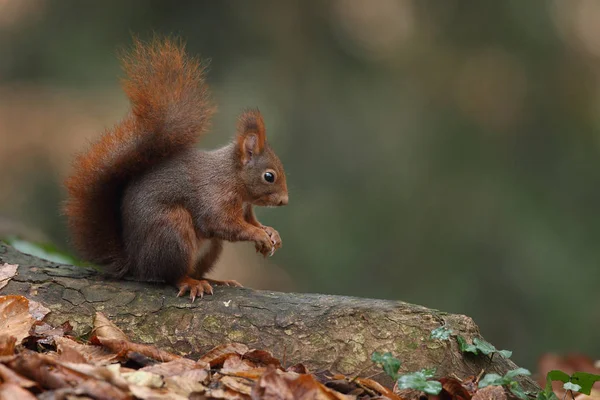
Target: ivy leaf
[(585, 380), (441, 333), (491, 380), (464, 346), (505, 353), (480, 346), (389, 363), (572, 387), (517, 390), (418, 381), (483, 346), (511, 375)]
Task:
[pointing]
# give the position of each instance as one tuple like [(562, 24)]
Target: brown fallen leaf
[(7, 345), (7, 375), (124, 347), (172, 368), (490, 393), (262, 357), (223, 393), (217, 355), (377, 387), (298, 368), (38, 310), (71, 351), (44, 370), (104, 328), (11, 391), (109, 373), (146, 393), (15, 319), (307, 387), (234, 362), (240, 385), (272, 386), (184, 386), (453, 389), (7, 271)]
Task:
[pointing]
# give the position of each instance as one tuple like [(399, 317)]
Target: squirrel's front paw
[(264, 244), (274, 235)]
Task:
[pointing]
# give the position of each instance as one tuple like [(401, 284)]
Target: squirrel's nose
[(284, 200)]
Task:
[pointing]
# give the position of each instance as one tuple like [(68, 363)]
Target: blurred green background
[(444, 153)]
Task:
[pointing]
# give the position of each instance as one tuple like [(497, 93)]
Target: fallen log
[(323, 332)]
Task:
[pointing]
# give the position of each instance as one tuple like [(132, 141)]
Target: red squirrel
[(145, 202)]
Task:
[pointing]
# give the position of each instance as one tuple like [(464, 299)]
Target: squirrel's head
[(261, 170)]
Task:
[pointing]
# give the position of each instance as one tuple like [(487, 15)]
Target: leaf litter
[(38, 361)]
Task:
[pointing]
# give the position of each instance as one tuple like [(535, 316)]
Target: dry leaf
[(272, 386), (234, 362), (184, 386), (72, 351), (146, 393), (7, 375), (263, 357), (123, 347), (377, 387), (7, 345), (218, 355), (105, 329), (7, 271), (172, 368), (490, 393), (298, 368), (45, 371), (37, 310), (11, 391), (453, 389), (240, 385), (15, 319), (143, 378)]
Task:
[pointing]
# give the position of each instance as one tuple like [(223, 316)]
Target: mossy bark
[(322, 332)]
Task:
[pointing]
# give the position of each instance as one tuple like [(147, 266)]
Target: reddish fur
[(170, 109), (143, 199)]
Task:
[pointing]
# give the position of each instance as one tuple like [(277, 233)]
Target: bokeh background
[(445, 153)]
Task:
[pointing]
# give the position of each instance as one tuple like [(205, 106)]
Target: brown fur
[(143, 199)]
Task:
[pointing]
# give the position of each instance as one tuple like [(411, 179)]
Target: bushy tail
[(170, 109)]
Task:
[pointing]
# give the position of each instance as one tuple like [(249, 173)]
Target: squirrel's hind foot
[(195, 286)]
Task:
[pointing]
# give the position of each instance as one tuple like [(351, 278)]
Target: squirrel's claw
[(195, 286)]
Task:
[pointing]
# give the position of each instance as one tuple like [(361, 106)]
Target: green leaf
[(491, 380), (441, 333), (480, 346), (418, 381), (544, 395), (40, 250), (483, 346), (517, 390), (389, 363), (511, 375), (572, 387), (505, 353), (585, 380), (464, 346)]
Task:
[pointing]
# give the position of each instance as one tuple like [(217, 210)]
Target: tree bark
[(323, 332)]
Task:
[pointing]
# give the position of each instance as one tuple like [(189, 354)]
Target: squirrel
[(145, 202)]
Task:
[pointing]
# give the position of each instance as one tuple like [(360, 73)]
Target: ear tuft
[(251, 134)]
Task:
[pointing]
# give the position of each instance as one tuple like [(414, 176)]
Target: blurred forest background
[(445, 153)]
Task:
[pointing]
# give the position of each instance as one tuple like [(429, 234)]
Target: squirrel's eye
[(269, 177)]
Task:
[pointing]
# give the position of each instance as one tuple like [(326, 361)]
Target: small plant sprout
[(480, 346), (441, 333)]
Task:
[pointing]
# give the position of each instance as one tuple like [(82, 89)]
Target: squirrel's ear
[(251, 135)]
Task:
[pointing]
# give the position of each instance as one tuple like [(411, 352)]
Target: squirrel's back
[(170, 109)]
